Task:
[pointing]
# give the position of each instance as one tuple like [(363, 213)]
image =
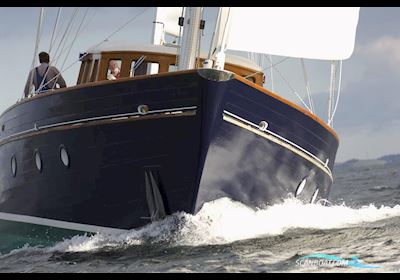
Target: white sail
[(169, 16), (304, 32)]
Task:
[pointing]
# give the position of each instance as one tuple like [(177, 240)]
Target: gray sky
[(368, 116)]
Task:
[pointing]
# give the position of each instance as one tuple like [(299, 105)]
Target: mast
[(219, 40), (190, 38)]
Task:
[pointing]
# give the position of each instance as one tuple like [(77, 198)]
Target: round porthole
[(143, 109), (300, 187), (38, 160), (314, 196), (14, 166), (64, 156)]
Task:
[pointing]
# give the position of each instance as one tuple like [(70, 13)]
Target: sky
[(368, 116)]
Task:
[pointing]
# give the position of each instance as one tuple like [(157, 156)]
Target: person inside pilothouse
[(114, 70)]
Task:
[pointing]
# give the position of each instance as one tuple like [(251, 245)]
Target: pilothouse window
[(152, 68), (132, 72), (140, 67), (172, 68), (93, 77), (86, 71)]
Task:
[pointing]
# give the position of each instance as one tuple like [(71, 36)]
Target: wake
[(224, 221)]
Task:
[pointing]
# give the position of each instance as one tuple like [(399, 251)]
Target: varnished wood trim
[(164, 60)]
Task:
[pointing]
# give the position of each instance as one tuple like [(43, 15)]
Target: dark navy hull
[(199, 140)]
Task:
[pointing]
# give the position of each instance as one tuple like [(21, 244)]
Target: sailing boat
[(178, 129)]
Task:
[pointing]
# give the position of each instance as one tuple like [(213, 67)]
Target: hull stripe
[(172, 110), (273, 137), (100, 118), (58, 224)]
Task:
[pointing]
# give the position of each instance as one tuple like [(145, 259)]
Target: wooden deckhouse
[(156, 59)]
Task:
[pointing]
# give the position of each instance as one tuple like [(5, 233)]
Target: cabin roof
[(115, 47)]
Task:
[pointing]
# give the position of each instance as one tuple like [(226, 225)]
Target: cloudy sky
[(368, 116)]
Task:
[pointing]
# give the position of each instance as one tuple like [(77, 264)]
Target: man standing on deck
[(45, 77)]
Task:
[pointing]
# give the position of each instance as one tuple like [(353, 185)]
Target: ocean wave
[(381, 188), (225, 221)]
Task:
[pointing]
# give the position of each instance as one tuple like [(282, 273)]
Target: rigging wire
[(294, 91), (87, 23), (42, 26), (123, 26), (330, 121), (36, 47), (54, 29), (311, 108), (101, 42), (334, 88), (59, 31), (331, 89), (65, 37), (90, 20), (54, 61), (70, 47), (271, 73), (62, 41), (76, 36), (266, 68), (308, 89)]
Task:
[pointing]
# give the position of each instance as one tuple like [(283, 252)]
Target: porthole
[(300, 187), (143, 109), (14, 166), (3, 127), (38, 160), (64, 156), (314, 196)]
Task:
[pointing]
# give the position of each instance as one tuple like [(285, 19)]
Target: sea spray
[(225, 221)]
